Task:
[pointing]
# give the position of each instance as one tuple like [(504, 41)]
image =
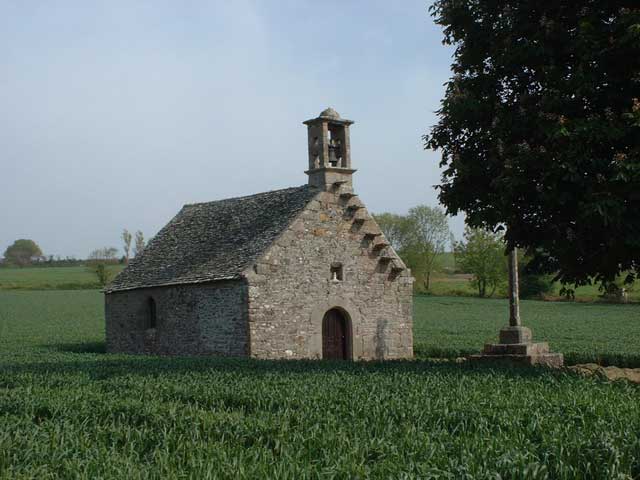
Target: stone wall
[(204, 319), (291, 286)]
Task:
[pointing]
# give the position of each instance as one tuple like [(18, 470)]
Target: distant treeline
[(56, 261)]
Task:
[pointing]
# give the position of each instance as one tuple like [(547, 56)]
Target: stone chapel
[(303, 272)]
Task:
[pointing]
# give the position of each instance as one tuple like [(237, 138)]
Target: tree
[(482, 254), (615, 291), (427, 237), (98, 263), (126, 239), (539, 129), (395, 227), (139, 247), (22, 252), (102, 273), (533, 284), (107, 254)]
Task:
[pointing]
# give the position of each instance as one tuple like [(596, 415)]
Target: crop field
[(50, 278), (608, 334), (68, 410)]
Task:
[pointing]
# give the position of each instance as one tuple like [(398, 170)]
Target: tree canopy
[(539, 129), (419, 238), (481, 253), (396, 228), (100, 255), (428, 236), (22, 252), (139, 245)]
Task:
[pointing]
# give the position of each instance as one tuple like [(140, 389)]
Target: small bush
[(535, 286)]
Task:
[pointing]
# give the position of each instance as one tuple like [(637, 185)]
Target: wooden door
[(334, 335)]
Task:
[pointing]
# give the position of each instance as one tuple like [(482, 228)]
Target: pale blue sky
[(113, 114)]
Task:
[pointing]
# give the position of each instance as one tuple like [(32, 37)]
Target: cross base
[(515, 334), (515, 347)]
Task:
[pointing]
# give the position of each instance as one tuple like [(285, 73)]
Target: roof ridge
[(243, 197), (213, 241)]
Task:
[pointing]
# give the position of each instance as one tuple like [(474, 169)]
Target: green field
[(585, 332), (50, 278), (68, 410)]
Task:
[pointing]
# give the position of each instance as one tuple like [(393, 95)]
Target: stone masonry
[(298, 273), (203, 319), (290, 287)]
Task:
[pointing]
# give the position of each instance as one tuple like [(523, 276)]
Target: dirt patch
[(610, 373)]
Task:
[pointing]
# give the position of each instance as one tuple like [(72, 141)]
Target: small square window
[(337, 272)]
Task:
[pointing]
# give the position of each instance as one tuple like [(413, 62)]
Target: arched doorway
[(335, 335)]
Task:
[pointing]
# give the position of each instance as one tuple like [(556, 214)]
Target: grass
[(51, 278), (585, 332), (67, 410)]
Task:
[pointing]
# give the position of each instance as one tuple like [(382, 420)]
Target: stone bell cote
[(329, 150)]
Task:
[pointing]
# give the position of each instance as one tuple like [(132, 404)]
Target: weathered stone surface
[(205, 319), (516, 348), (519, 353), (554, 360), (515, 334), (286, 310)]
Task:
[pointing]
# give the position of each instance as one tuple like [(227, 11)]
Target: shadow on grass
[(109, 366), (604, 359), (80, 347), (426, 358)]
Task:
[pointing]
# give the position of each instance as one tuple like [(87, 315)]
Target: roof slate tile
[(213, 241)]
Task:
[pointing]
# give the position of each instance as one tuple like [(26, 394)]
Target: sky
[(114, 114)]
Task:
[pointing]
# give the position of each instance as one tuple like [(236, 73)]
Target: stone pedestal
[(516, 347), (520, 354), (515, 334)]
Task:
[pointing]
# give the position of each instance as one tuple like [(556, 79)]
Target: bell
[(335, 153), (333, 159)]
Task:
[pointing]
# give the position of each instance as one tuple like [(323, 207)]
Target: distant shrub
[(535, 286), (481, 253)]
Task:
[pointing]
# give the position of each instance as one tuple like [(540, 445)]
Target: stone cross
[(514, 294), (515, 340), (515, 332)]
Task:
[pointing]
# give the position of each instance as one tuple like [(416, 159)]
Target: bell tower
[(329, 150)]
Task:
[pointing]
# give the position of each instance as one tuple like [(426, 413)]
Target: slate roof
[(213, 241)]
